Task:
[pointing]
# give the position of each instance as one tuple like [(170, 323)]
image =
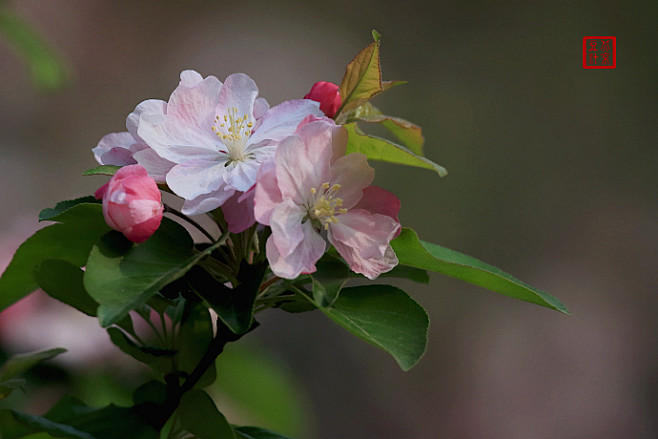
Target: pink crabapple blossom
[(328, 95), (132, 203), (312, 188), (217, 136)]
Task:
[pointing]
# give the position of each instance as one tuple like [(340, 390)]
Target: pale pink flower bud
[(132, 203), (327, 94)]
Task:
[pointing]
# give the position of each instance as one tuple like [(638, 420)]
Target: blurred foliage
[(47, 70)]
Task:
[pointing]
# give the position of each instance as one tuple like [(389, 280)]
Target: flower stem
[(198, 226)]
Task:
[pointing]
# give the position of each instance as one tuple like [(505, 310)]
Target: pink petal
[(114, 149), (286, 224), (267, 194), (297, 169), (239, 211), (378, 200), (362, 239), (302, 259), (353, 174)]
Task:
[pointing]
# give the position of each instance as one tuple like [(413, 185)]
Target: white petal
[(239, 92), (152, 106), (282, 120), (193, 179)]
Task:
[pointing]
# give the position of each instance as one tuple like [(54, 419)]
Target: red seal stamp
[(599, 52)]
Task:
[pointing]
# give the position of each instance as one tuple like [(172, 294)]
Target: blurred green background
[(553, 177)]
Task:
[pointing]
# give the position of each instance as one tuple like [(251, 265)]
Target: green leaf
[(70, 240), (199, 416), (46, 69), (408, 133), (384, 316), (376, 148), (15, 425), (63, 281), (121, 276), (19, 363), (416, 253), (51, 212), (194, 337), (109, 170), (109, 422), (256, 433), (405, 272), (330, 277), (363, 78)]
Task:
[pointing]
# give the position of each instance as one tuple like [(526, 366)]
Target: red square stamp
[(599, 52)]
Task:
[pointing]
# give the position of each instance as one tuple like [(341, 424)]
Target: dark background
[(553, 176)]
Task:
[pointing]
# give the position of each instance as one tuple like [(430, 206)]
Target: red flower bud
[(132, 203), (327, 94)]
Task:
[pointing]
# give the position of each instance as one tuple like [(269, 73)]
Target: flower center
[(325, 208), (234, 132)]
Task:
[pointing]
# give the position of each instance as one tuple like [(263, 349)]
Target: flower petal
[(239, 92), (286, 224), (298, 170), (114, 149), (156, 166), (206, 202), (192, 179), (267, 195), (353, 174), (239, 211), (177, 141), (194, 100), (282, 120), (301, 260), (378, 200), (152, 106), (362, 239)]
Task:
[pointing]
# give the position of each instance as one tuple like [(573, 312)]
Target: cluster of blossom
[(219, 145)]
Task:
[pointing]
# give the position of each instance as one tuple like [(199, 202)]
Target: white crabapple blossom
[(217, 136), (312, 189)]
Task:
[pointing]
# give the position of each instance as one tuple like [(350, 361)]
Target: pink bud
[(132, 203), (328, 95)]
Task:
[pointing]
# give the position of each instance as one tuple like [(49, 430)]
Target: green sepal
[(413, 252), (376, 148), (108, 170), (71, 239)]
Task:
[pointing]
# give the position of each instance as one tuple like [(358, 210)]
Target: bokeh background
[(553, 177)]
